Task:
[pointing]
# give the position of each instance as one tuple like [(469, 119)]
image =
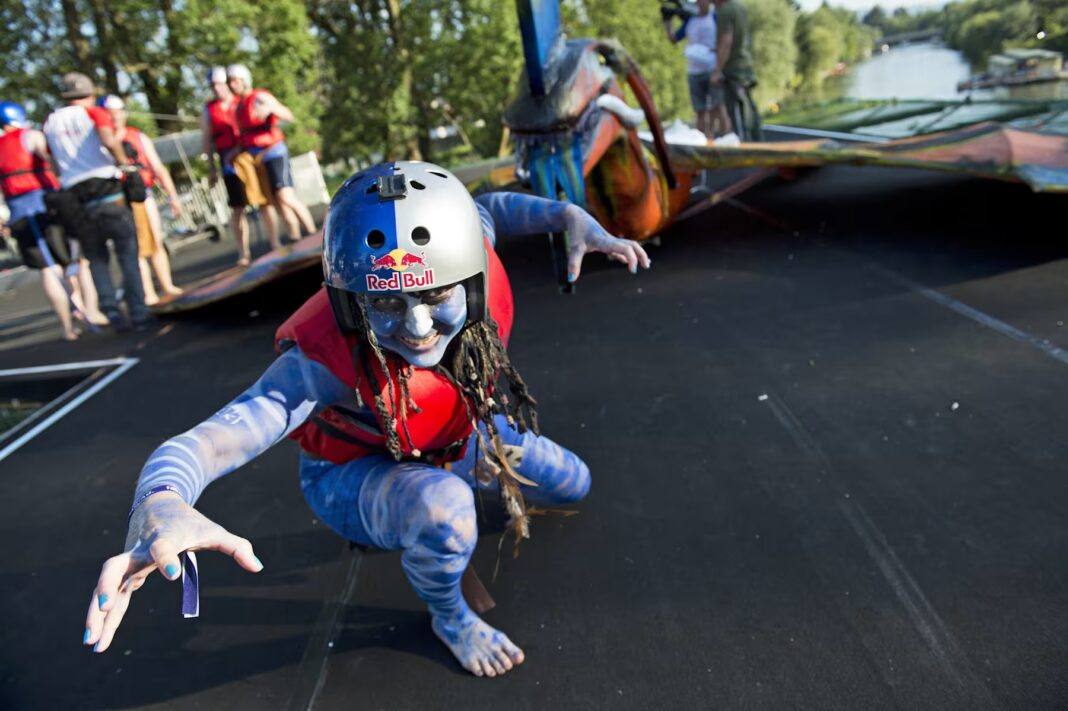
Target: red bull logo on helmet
[(396, 264)]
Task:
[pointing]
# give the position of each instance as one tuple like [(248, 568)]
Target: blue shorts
[(704, 94), (276, 161)]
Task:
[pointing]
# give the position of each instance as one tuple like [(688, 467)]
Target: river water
[(927, 71)]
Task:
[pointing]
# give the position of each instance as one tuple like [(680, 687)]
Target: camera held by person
[(676, 8)]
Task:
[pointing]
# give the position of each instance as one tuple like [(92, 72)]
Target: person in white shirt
[(706, 96), (88, 152)]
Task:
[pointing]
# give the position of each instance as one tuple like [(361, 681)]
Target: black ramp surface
[(815, 486)]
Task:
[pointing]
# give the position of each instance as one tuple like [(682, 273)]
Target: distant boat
[(1015, 67)]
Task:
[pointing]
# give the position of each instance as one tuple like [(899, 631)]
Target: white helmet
[(239, 71)]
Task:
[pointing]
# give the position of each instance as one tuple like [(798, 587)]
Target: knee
[(443, 516), (576, 485)]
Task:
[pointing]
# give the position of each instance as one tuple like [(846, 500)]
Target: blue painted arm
[(292, 389), (519, 214), (680, 34)]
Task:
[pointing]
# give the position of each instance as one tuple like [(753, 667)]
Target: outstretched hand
[(161, 528), (585, 235)]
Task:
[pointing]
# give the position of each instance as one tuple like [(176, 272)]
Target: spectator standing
[(25, 178), (218, 128), (141, 151), (88, 152), (258, 114), (706, 96), (734, 68)]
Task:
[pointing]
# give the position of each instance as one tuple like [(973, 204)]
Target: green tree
[(988, 32), (775, 55), (159, 51)]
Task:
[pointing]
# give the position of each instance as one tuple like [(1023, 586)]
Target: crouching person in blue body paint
[(388, 380)]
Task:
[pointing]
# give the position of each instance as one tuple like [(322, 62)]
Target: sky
[(865, 5)]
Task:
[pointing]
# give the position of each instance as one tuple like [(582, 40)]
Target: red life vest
[(223, 121), (22, 172), (252, 134), (134, 139), (441, 427)]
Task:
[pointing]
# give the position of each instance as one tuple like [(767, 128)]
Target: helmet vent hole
[(420, 235), (440, 175), (416, 184), (373, 187), (375, 239)]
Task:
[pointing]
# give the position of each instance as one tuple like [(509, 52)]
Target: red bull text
[(398, 261)]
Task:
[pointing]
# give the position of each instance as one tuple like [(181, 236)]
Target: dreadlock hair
[(478, 361)]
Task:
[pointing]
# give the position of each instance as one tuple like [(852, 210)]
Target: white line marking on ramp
[(60, 367), (1042, 344), (123, 364), (929, 624)]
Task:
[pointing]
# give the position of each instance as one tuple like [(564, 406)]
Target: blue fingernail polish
[(96, 647), (258, 561), (86, 636), (171, 570), (102, 600), (570, 278)]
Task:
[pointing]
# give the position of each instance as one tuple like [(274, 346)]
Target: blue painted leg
[(429, 514), (561, 477)]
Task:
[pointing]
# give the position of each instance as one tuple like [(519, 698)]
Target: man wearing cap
[(218, 128), (88, 152), (142, 153), (258, 114)]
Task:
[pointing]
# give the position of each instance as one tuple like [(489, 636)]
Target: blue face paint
[(418, 326)]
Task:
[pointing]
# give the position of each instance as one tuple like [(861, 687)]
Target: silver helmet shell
[(403, 227)]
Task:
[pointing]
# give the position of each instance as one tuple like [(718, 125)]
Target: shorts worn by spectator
[(41, 242), (704, 94)]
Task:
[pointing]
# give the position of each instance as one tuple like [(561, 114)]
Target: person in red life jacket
[(142, 154), (218, 129), (395, 381), (258, 115), (25, 177), (88, 153)]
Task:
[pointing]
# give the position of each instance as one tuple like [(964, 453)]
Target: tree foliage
[(373, 78), (159, 51), (395, 69), (775, 52)]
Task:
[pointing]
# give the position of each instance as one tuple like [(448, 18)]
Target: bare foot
[(479, 648), (71, 335), (97, 319), (174, 291), (243, 261)]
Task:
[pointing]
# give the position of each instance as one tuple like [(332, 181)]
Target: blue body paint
[(415, 330), (426, 512)]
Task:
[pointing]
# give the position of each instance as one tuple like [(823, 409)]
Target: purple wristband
[(154, 490), (190, 575)]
